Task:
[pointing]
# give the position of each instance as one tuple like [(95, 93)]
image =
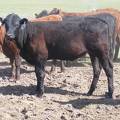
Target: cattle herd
[(64, 36)]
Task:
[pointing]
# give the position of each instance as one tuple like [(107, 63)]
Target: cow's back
[(65, 39)]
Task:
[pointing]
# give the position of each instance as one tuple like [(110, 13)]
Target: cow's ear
[(55, 11), (36, 15), (1, 19), (23, 21)]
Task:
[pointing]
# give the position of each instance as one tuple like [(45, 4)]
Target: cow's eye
[(16, 24)]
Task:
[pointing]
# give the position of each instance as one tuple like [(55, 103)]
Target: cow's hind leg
[(108, 68), (40, 74), (96, 73), (54, 61), (117, 47), (62, 65)]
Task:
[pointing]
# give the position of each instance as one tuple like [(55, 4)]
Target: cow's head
[(11, 22), (42, 14), (55, 11), (14, 25)]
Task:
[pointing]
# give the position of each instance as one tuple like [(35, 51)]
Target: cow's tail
[(112, 39)]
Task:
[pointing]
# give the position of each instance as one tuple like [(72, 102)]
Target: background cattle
[(47, 18), (65, 40), (41, 14)]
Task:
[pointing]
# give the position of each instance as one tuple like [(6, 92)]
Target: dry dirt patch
[(64, 97)]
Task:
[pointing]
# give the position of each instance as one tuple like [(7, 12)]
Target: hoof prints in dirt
[(64, 97)]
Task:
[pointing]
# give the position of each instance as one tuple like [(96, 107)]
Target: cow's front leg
[(40, 74), (12, 76), (53, 67), (17, 64), (62, 66)]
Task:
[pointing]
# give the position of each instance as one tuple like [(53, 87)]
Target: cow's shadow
[(79, 103), (19, 90), (83, 102)]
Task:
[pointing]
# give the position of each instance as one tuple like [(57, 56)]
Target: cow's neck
[(21, 38), (2, 34)]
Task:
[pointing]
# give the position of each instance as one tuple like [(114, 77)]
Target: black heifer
[(66, 40)]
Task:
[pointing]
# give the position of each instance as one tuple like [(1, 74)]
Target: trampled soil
[(64, 97)]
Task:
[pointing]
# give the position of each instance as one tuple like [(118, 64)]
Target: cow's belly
[(69, 51)]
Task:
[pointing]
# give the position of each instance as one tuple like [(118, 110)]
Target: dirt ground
[(64, 97)]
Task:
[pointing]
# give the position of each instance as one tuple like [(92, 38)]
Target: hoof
[(17, 77), (52, 70), (63, 70), (39, 94), (109, 95), (47, 72), (12, 79), (89, 93)]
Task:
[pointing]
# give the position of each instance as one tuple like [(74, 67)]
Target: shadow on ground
[(83, 102), (79, 103)]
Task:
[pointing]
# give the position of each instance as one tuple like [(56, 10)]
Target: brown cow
[(2, 34), (47, 18), (10, 49)]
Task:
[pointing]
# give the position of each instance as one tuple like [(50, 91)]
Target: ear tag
[(23, 26)]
